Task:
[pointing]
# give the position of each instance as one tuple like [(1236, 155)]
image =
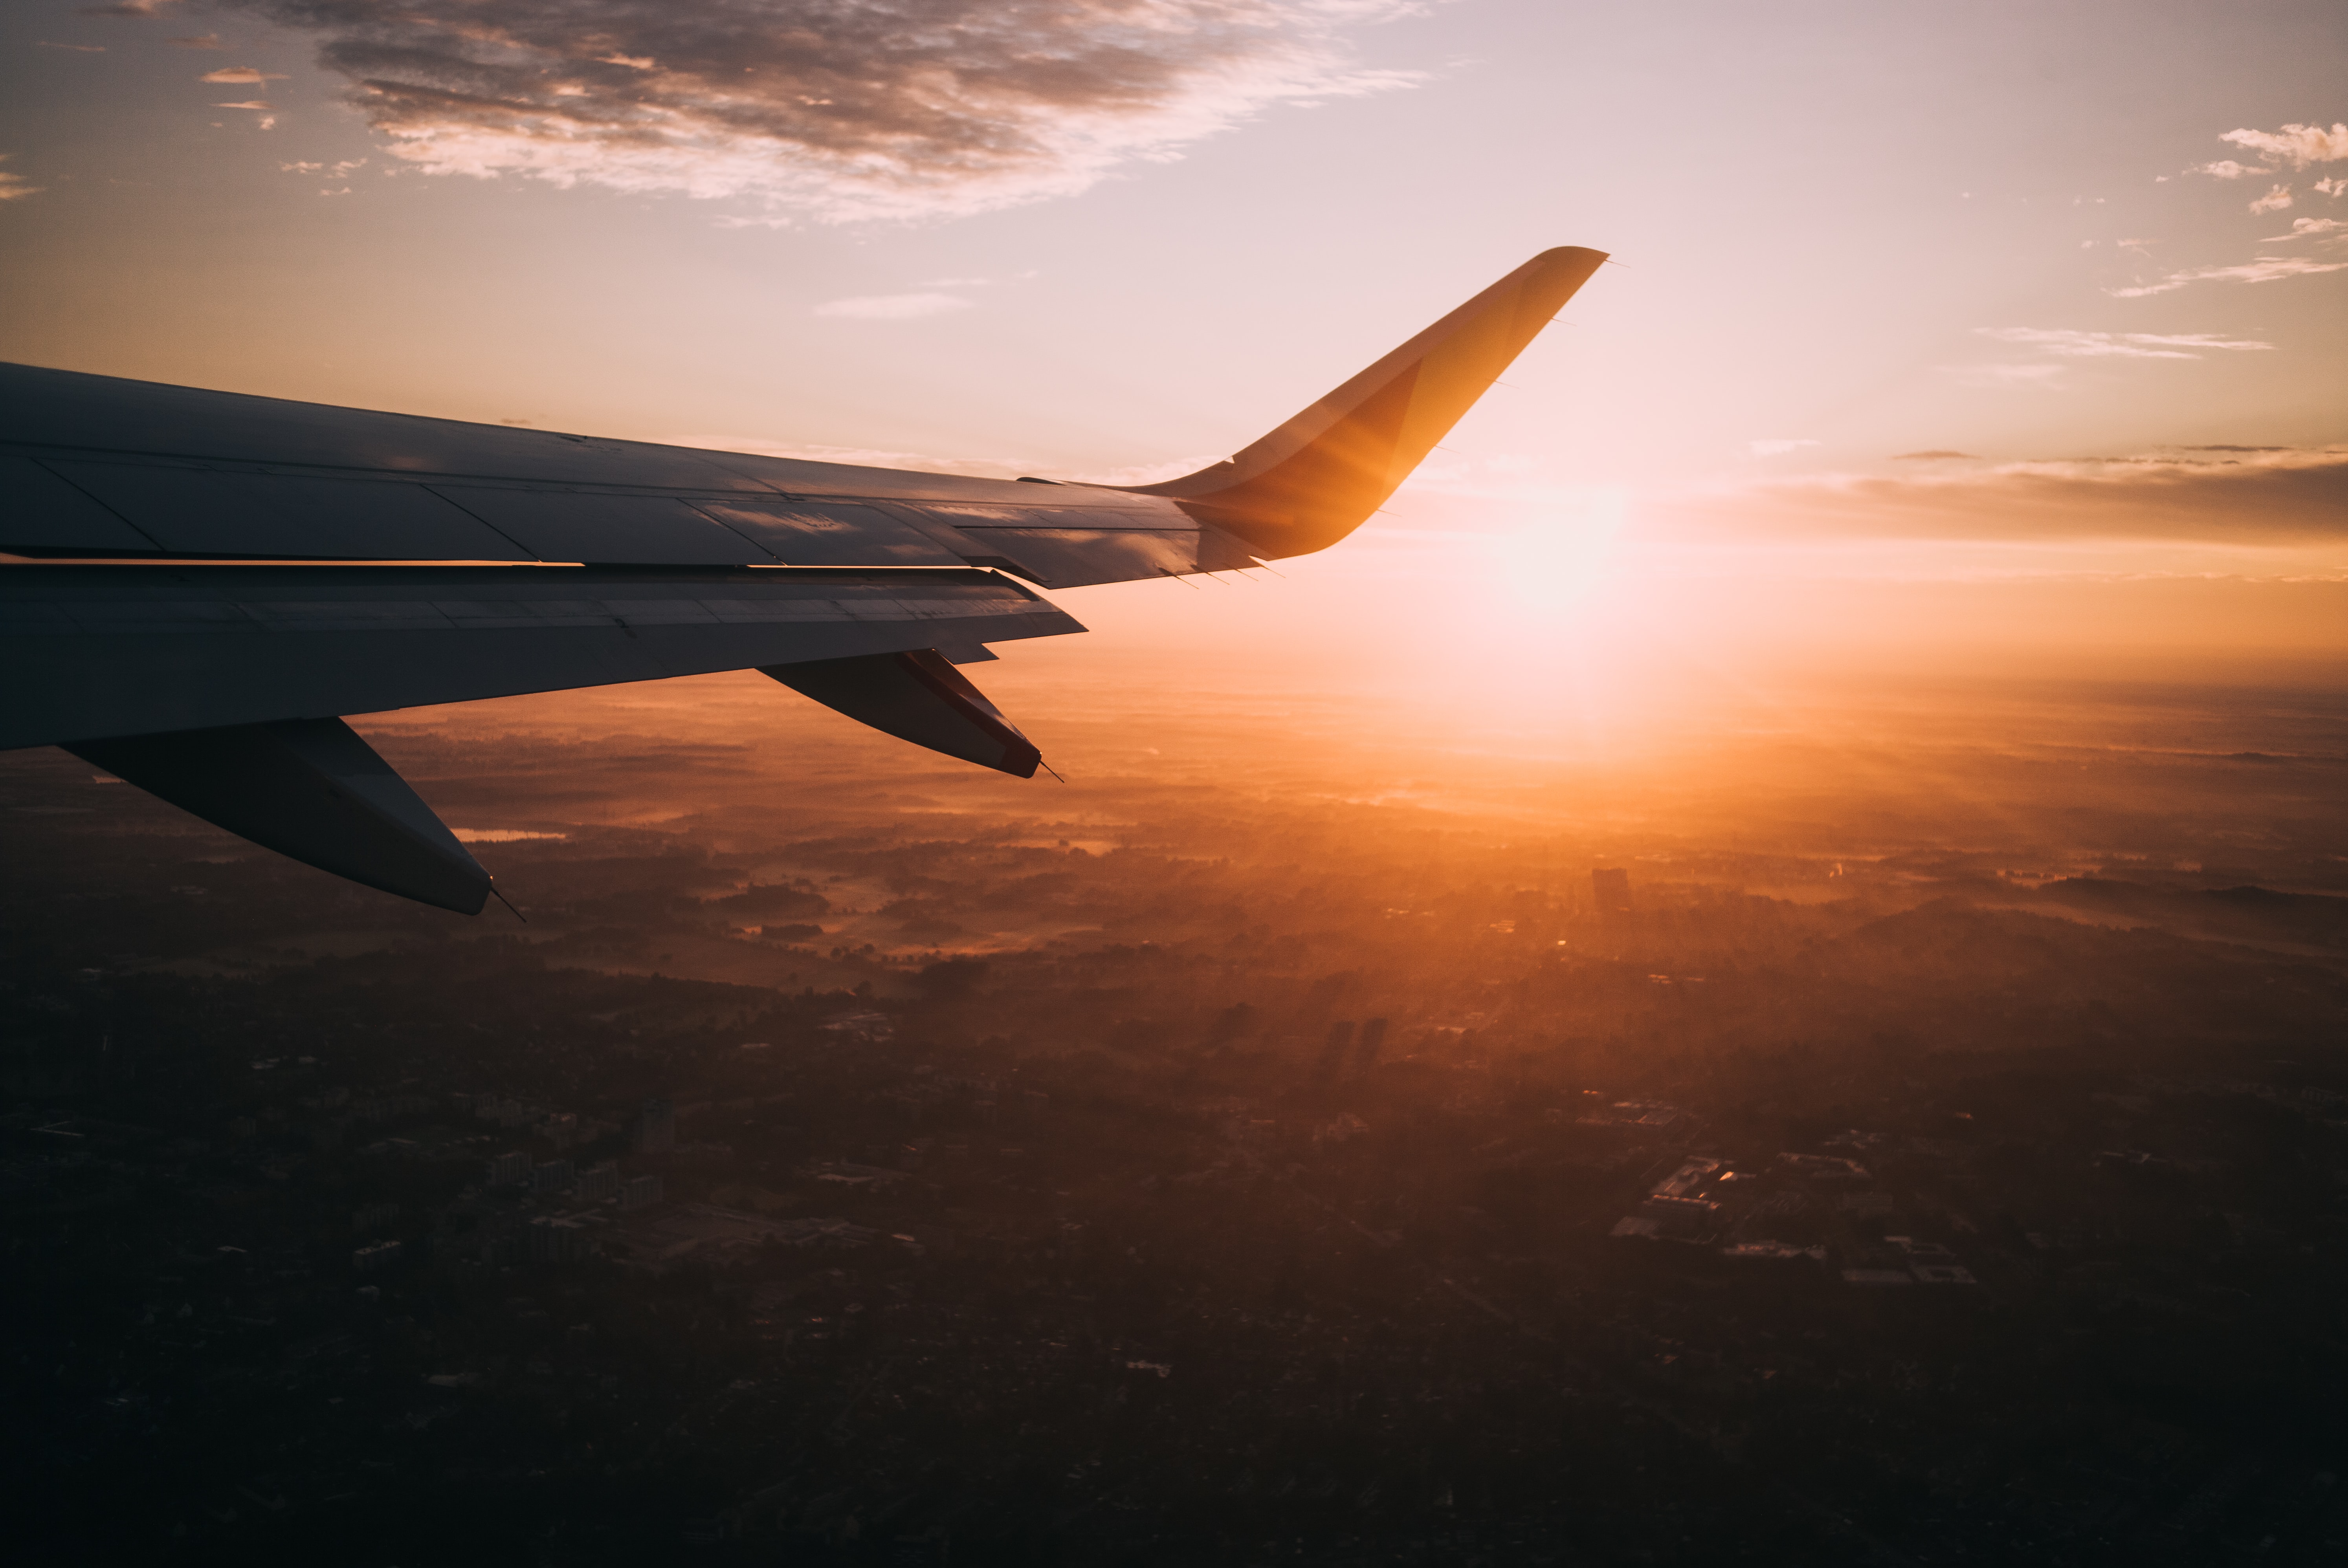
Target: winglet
[(1316, 478)]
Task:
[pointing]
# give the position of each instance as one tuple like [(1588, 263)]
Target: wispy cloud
[(2307, 229), (248, 104), (73, 48), (1499, 475), (1151, 473), (2264, 270), (2295, 145), (129, 8), (2007, 375), (2071, 343), (2274, 200), (833, 109), (2333, 187), (2219, 494), (1777, 445), (242, 74), (15, 187), (202, 41), (1937, 454), (893, 307)]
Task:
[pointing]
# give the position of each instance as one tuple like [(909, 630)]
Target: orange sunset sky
[(2000, 337)]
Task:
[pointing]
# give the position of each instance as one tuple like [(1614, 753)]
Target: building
[(1689, 1181), (639, 1192), (554, 1176), (656, 1127), (1612, 888), (1876, 1278), (375, 1257), (714, 1235), (1333, 1049), (511, 1169), (551, 1240), (1676, 1216), (597, 1182), (1930, 1262), (1373, 1040)]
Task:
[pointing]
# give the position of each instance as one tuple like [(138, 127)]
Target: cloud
[(129, 8), (203, 41), (1500, 475), (2225, 168), (1776, 445), (2274, 200), (2333, 187), (2307, 229), (1157, 472), (2071, 343), (73, 48), (228, 74), (2265, 269), (2001, 376), (14, 186), (248, 104), (829, 109), (2294, 144), (2240, 495), (1937, 454), (892, 307)]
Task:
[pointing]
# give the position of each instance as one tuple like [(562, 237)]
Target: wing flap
[(100, 652)]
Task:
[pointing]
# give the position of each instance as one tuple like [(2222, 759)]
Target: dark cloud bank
[(838, 109), (2236, 495)]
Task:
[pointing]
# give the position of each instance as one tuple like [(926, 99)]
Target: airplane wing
[(204, 583)]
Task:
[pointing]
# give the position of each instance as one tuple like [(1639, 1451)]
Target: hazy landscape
[(1939, 1158)]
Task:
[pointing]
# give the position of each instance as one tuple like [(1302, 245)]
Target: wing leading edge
[(207, 581)]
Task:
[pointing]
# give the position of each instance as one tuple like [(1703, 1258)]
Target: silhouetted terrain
[(1265, 1149)]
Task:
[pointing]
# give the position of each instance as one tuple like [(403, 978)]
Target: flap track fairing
[(917, 697), (309, 788)]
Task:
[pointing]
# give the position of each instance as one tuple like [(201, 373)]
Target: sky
[(2002, 336)]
